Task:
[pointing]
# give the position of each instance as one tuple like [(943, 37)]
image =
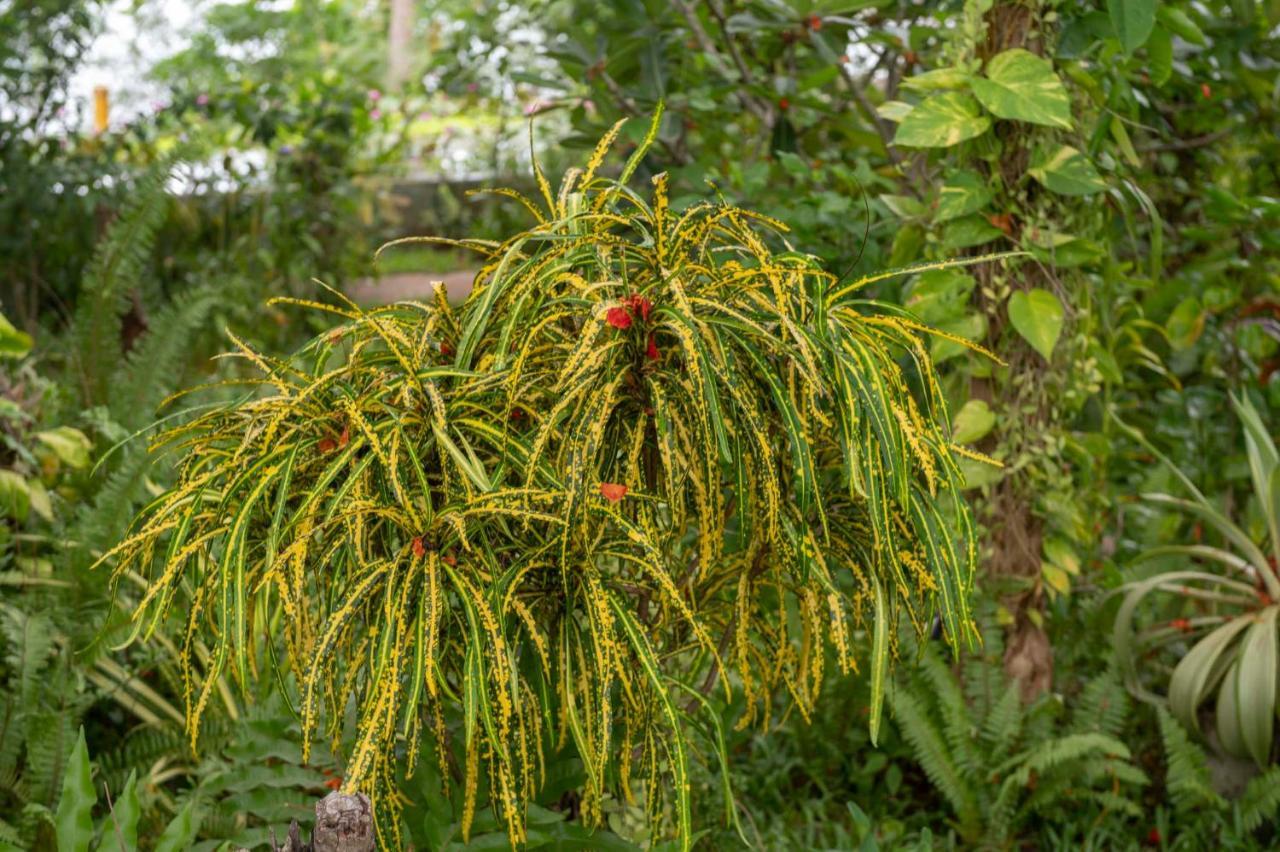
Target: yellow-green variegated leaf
[(941, 121), (1023, 87)]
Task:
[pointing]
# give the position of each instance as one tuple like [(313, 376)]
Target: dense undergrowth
[(1139, 183)]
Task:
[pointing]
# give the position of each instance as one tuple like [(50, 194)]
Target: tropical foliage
[(1126, 150), (1228, 621), (643, 446)]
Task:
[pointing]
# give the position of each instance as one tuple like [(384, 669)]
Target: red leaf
[(446, 349), (1153, 837), (1003, 221), (419, 549), (449, 559), (612, 491), (326, 445), (345, 437), (1205, 90), (652, 352), (333, 783), (784, 104), (618, 318), (1181, 624)]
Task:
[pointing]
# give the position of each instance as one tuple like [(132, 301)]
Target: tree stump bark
[(344, 823)]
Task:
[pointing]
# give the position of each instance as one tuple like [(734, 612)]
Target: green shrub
[(646, 450)]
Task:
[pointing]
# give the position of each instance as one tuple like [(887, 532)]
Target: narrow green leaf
[(1198, 672), (879, 658), (1255, 685)]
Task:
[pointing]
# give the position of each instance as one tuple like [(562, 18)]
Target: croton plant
[(656, 458)]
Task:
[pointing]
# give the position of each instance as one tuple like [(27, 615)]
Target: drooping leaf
[(941, 121), (1255, 685), (1021, 86), (1201, 670), (1037, 315)]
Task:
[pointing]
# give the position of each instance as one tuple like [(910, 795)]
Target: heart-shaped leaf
[(1066, 171), (942, 121), (964, 193), (1037, 316), (1022, 87), (972, 422), (1132, 21)]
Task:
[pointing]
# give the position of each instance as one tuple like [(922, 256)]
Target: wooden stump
[(344, 823)]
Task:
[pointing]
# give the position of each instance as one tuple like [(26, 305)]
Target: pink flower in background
[(375, 114), (202, 99), (472, 87), (424, 116), (375, 95), (533, 106)]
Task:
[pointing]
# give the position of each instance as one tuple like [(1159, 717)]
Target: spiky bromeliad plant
[(1229, 599), (647, 450)]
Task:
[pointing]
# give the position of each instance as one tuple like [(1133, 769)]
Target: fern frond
[(118, 263), (1187, 772)]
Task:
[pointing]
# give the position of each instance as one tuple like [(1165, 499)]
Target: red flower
[(652, 352), (333, 783), (449, 559), (446, 349), (517, 413), (1153, 837), (784, 104), (326, 445), (640, 306), (815, 22), (1205, 90), (1182, 624), (345, 437), (618, 318), (612, 491), (419, 549)]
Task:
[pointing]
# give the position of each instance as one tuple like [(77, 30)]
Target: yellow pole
[(101, 109)]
